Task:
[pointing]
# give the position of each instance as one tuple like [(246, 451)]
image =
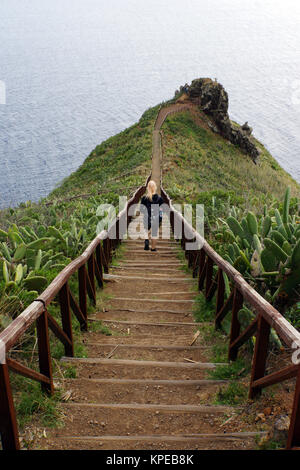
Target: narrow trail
[(156, 140), (145, 386)]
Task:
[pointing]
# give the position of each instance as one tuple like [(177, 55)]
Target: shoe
[(146, 247), (153, 249)]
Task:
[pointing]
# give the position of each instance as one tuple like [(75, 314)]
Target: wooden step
[(126, 322), (159, 294), (132, 311), (138, 352), (155, 328), (151, 256), (182, 339), (97, 368), (142, 271), (130, 262), (136, 363), (146, 382), (199, 409), (129, 248), (135, 299), (217, 437), (156, 304), (137, 328), (159, 241), (158, 269), (160, 442), (161, 248), (144, 317), (169, 392), (131, 419), (168, 279), (149, 346)]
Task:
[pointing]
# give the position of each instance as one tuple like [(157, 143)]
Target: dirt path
[(156, 139), (144, 386)]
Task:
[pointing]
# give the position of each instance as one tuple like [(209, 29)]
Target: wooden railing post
[(201, 260), (235, 324), (64, 300), (221, 314), (104, 262), (260, 355), (189, 258), (99, 259), (98, 266), (82, 290), (209, 274), (196, 263), (8, 421), (110, 249), (106, 254), (44, 351), (220, 292), (117, 231), (294, 430), (172, 221), (91, 271), (90, 285), (202, 270), (183, 239)]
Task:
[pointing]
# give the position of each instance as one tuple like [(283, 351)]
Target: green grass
[(233, 371), (32, 402), (70, 372), (270, 444), (102, 299), (202, 309), (199, 164), (232, 394), (100, 328)]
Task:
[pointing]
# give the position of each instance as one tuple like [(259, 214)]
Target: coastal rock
[(212, 98), (247, 129)]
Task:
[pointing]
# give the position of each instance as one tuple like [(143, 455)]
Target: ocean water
[(74, 72)]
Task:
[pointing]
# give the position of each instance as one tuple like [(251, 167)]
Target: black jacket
[(156, 200), (151, 208)]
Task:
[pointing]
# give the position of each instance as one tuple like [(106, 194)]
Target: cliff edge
[(212, 99)]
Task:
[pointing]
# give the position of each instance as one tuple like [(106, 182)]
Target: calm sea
[(75, 72)]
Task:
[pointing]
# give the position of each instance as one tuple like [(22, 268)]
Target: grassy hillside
[(251, 211), (199, 164)]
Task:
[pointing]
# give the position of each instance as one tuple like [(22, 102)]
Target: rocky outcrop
[(212, 98)]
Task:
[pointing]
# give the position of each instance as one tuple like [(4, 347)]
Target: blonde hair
[(151, 189)]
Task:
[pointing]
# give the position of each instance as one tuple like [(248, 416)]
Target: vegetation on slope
[(199, 164), (38, 240), (251, 218)]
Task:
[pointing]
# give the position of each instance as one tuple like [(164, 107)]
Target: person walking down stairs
[(152, 215)]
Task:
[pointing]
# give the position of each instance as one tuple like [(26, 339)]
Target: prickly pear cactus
[(265, 248)]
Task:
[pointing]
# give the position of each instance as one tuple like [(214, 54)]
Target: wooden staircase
[(145, 386)]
